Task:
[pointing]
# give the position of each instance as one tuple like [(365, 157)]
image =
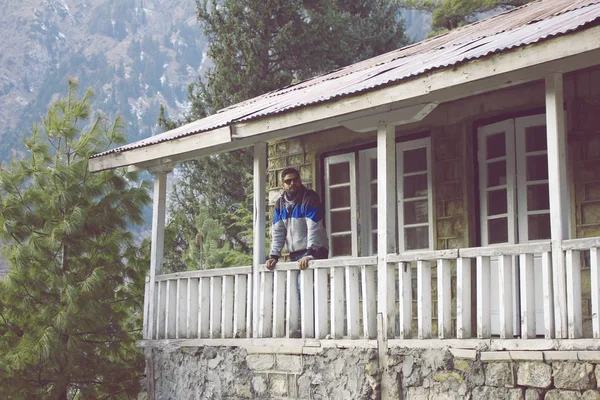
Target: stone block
[(260, 362), (575, 376), (515, 394), (295, 146), (533, 394), (562, 395), (464, 353), (282, 147), (417, 393), (560, 355), (536, 374), (499, 374), (295, 160), (495, 356), (527, 355), (589, 356), (590, 395), (259, 384), (278, 384), (489, 393), (286, 362)]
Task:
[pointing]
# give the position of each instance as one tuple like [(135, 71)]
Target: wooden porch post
[(386, 224), (158, 240), (260, 174), (559, 196)]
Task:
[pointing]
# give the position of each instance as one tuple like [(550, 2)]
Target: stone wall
[(355, 373)]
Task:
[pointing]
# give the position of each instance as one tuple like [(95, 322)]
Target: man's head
[(291, 180)]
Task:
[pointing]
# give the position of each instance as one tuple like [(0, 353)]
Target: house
[(461, 178)]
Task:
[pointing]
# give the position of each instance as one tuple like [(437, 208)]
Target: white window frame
[(365, 182)]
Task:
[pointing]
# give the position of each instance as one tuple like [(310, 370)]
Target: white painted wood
[(249, 304), (405, 299), (259, 228), (595, 289), (279, 284), (171, 310), (395, 117), (239, 306), (181, 309), (321, 303), (369, 301), (527, 286), (207, 273), (463, 298), (159, 201), (329, 263), (307, 314), (559, 195), (575, 319), (204, 299), (193, 309), (386, 224), (424, 299), (147, 299), (266, 305), (506, 296), (227, 310), (216, 304), (581, 243), (156, 324), (483, 298), (508, 250), (337, 302), (292, 301), (547, 294), (368, 226), (423, 255), (444, 298), (352, 302)]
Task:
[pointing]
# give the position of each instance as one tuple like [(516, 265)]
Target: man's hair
[(289, 171)]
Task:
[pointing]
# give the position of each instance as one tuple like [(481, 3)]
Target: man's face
[(291, 182)]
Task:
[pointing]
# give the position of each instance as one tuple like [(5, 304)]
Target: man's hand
[(270, 264), (303, 262)]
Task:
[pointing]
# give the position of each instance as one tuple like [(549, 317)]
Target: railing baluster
[(161, 309), (444, 298), (215, 306), (505, 296), (307, 303), (204, 308), (321, 303), (548, 296), (463, 298), (405, 299), (146, 323), (279, 304), (595, 288), (424, 299), (352, 302), (265, 317), (575, 325), (227, 313), (337, 302), (527, 282), (249, 305), (483, 297), (192, 306), (182, 309), (292, 303), (369, 303), (171, 310), (239, 306)]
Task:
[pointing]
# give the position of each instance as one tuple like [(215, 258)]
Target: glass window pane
[(373, 193), (416, 238), (416, 212), (496, 145), (537, 167), (374, 217), (538, 197), (497, 202), (415, 186), (538, 226), (535, 138), (373, 169), (415, 160), (341, 245), (340, 221), (339, 173), (496, 173), (498, 230), (340, 197)]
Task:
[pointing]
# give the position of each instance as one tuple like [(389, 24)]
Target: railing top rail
[(331, 262), (505, 250), (205, 273), (429, 255), (581, 244)]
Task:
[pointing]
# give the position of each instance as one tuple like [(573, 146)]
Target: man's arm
[(278, 234), (314, 223)]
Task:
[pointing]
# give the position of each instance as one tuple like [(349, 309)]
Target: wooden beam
[(259, 231), (397, 117)]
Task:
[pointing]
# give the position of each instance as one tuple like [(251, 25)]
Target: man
[(297, 222)]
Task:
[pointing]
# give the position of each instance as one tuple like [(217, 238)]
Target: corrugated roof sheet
[(522, 26)]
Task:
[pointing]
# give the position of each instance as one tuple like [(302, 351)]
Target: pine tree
[(66, 324)]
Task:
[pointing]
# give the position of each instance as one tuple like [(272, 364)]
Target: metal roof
[(519, 27)]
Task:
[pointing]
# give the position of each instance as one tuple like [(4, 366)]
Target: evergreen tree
[(66, 324), (256, 47)]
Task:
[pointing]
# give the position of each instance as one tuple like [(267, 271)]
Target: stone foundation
[(355, 373)]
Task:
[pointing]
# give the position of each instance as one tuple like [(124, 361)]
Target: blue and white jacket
[(300, 227)]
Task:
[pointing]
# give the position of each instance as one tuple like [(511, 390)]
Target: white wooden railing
[(337, 298)]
